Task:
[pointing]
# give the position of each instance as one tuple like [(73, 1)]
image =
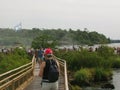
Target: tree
[(44, 41)]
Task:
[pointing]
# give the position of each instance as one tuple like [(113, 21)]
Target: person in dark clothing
[(44, 70), (40, 55)]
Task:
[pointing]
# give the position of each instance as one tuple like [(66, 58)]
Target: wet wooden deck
[(35, 84)]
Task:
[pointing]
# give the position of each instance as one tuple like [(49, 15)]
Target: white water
[(116, 79), (86, 46)]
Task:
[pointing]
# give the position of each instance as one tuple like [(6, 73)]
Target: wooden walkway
[(35, 84)]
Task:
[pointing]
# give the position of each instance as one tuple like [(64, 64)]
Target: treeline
[(115, 41), (26, 36)]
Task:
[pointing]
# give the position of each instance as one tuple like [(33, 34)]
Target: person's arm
[(58, 65), (56, 62)]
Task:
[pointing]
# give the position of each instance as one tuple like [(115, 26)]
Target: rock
[(108, 85)]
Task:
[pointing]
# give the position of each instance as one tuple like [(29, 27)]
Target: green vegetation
[(26, 36), (13, 60), (101, 74), (83, 76), (75, 87), (44, 41), (89, 67)]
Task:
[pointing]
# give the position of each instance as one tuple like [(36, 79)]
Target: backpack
[(53, 73)]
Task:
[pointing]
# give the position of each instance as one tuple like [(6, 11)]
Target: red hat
[(48, 51)]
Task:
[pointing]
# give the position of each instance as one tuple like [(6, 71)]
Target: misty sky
[(102, 16)]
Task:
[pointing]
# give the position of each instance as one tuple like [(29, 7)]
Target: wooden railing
[(18, 78), (63, 70)]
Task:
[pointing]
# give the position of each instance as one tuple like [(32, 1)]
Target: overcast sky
[(102, 16)]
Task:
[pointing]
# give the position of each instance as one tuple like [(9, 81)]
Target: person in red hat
[(49, 79), (48, 51)]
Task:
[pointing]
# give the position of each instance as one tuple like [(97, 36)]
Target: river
[(116, 79)]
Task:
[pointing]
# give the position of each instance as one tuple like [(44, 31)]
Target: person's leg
[(39, 61), (46, 86), (54, 86), (36, 59)]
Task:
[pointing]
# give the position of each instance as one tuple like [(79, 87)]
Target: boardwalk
[(35, 84)]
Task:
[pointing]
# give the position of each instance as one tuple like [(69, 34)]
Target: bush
[(105, 51), (116, 63), (83, 76), (76, 87), (82, 59), (13, 60), (101, 74)]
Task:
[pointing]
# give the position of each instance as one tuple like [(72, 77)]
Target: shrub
[(116, 63), (76, 87), (105, 51), (13, 60), (101, 74), (83, 76)]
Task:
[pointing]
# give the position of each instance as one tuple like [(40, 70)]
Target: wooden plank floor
[(35, 84)]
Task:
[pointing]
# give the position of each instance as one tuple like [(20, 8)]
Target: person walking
[(49, 71), (40, 55), (36, 55)]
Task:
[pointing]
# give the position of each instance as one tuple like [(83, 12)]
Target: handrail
[(17, 78), (63, 70)]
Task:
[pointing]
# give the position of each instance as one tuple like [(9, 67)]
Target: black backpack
[(53, 73)]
